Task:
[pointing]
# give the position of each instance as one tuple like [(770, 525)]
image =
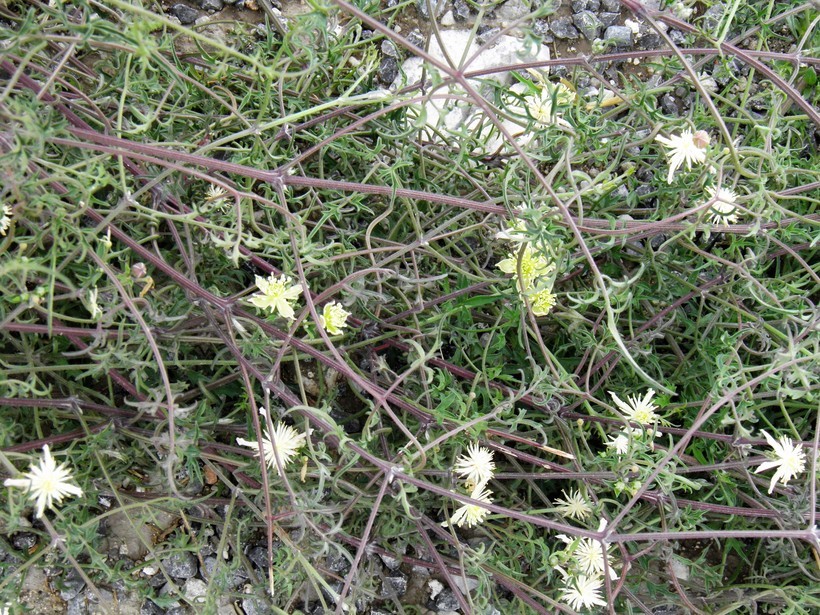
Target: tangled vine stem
[(394, 220)]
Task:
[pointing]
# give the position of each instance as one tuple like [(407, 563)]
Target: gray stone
[(512, 10), (180, 565), (70, 586), (613, 6), (259, 556), (77, 606), (208, 566), (23, 541), (211, 5), (562, 28), (670, 105), (394, 585), (678, 37), (389, 561), (195, 591), (336, 562), (648, 38), (461, 10), (416, 38), (184, 13), (389, 49), (712, 17), (149, 608), (485, 33), (588, 23), (255, 606), (388, 70), (609, 19), (436, 5), (447, 601), (578, 6), (620, 36)]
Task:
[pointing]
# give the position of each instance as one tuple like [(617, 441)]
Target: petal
[(23, 483), (768, 465), (284, 308)]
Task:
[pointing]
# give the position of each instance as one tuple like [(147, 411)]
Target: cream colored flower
[(92, 305), (544, 106), (575, 506), (638, 410), (5, 220), (686, 147), (476, 467), (215, 194), (724, 209), (542, 302), (285, 442), (517, 232), (582, 592), (620, 443), (276, 294), (622, 440), (790, 460), (471, 514), (333, 318), (47, 483), (533, 263)]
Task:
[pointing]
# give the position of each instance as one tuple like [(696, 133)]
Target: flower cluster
[(47, 483), (476, 468), (583, 564), (278, 295), (283, 442), (533, 272)]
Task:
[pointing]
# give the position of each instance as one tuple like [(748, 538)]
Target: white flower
[(471, 514), (276, 295), (582, 592), (542, 302), (789, 460), (686, 147), (5, 220), (589, 556), (620, 443), (575, 506), (638, 410), (517, 232), (477, 466), (47, 483), (215, 193), (543, 106), (723, 210), (284, 443), (334, 318), (93, 307), (533, 264)]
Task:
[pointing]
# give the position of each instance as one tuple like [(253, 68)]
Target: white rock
[(448, 19)]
